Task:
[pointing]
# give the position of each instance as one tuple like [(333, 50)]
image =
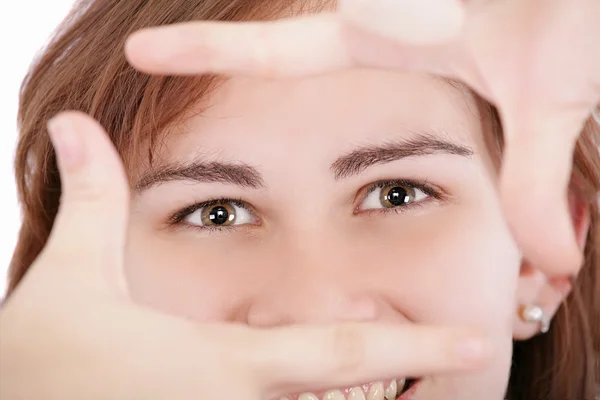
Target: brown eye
[(384, 195), (219, 214), (397, 195), (216, 214)]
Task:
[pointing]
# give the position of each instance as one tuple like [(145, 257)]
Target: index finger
[(315, 358), (301, 46), (284, 48)]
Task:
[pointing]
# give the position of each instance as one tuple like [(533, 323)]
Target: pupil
[(398, 196), (219, 215)]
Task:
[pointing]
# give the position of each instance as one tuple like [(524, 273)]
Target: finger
[(313, 358), (300, 46), (89, 232), (534, 186), (423, 22), (278, 49)]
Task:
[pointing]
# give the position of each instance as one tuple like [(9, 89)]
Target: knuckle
[(250, 349), (255, 360), (94, 189), (347, 348), (201, 48), (262, 58), (85, 192)]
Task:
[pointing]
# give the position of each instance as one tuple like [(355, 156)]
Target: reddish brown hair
[(84, 68)]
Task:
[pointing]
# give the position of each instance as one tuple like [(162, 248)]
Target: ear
[(536, 289)]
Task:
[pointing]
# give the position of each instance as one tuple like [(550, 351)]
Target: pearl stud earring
[(535, 315)]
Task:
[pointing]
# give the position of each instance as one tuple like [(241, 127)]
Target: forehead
[(336, 111)]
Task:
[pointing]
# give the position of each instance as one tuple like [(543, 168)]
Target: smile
[(398, 389)]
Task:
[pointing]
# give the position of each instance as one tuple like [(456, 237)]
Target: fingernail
[(66, 141), (472, 349), (408, 21)]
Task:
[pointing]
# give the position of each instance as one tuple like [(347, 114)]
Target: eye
[(220, 213), (399, 194)]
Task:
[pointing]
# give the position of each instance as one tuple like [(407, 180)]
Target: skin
[(537, 61), (79, 281), (309, 256), (59, 286)]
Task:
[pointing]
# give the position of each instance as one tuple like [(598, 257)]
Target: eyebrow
[(353, 163), (421, 144), (207, 172)]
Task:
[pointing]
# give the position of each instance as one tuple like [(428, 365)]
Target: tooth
[(392, 391), (334, 395), (376, 391), (308, 396), (357, 394), (401, 383)]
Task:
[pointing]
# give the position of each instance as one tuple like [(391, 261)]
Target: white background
[(25, 26)]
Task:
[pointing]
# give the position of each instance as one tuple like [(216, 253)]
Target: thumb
[(534, 187), (88, 237)]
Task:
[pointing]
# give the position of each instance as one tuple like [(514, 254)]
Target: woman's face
[(358, 196)]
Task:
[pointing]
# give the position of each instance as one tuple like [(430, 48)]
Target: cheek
[(180, 275), (453, 268), (457, 265)]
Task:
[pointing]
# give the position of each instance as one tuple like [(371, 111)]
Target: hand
[(537, 61), (69, 331)]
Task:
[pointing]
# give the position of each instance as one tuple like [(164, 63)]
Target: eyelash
[(425, 187), (178, 218)]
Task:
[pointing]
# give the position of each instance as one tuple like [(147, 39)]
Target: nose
[(314, 283)]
